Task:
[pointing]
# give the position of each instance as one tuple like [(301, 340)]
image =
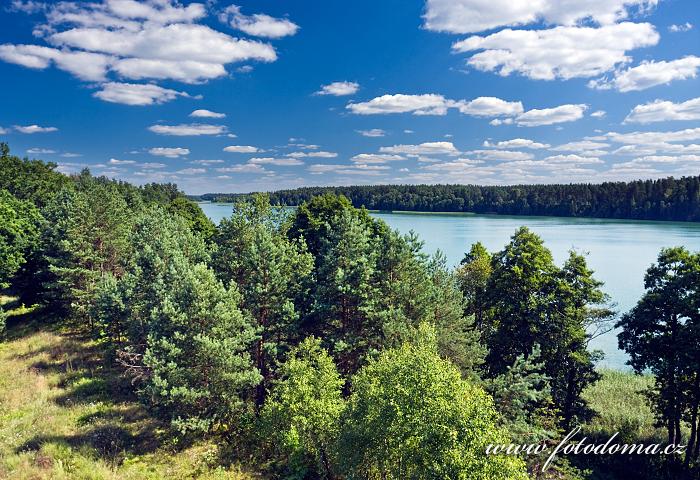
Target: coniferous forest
[(318, 343), (664, 199)]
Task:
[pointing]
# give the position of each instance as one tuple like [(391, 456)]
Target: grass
[(64, 414), (620, 405)]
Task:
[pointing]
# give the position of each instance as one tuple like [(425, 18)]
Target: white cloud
[(29, 129), (169, 152), (206, 162), (599, 114), (376, 158), (244, 168), (426, 104), (572, 158), (501, 154), (40, 151), (201, 113), (428, 148), (549, 116), (241, 149), (339, 89), (585, 147), (192, 129), (136, 94), (497, 121), (282, 162), (151, 165), (490, 107), (651, 138), (84, 65), (663, 111), (258, 25), (469, 16), (374, 132), (150, 39), (560, 52), (650, 74), (191, 171), (114, 161), (434, 104), (516, 143), (316, 154), (683, 27)]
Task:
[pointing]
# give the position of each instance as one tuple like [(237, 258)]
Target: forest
[(320, 344), (676, 199)]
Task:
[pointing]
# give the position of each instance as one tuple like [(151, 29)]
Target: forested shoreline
[(319, 343), (670, 199)]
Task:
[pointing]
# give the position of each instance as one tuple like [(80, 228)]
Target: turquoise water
[(619, 251)]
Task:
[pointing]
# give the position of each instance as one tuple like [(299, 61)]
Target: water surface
[(619, 251)]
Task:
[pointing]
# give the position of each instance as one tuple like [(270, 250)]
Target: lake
[(619, 251)]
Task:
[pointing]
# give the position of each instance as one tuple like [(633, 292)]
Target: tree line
[(670, 198), (323, 344)]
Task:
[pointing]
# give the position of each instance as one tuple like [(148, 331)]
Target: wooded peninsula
[(674, 199)]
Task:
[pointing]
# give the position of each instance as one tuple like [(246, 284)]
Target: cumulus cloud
[(549, 116), (651, 138), (281, 162), (169, 152), (241, 149), (137, 94), (470, 16), (501, 154), (374, 132), (191, 171), (259, 24), (114, 161), (84, 65), (649, 74), (339, 89), (599, 114), (516, 143), (316, 154), (588, 148), (427, 148), (434, 104), (490, 107), (192, 129), (560, 52), (244, 168), (30, 129), (40, 151), (367, 158), (201, 113), (136, 40), (663, 111), (683, 27), (426, 104)]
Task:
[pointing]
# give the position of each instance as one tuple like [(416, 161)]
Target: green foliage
[(180, 333), (662, 335), (198, 368), (528, 300), (31, 180), (19, 232), (193, 214), (662, 199), (271, 272), (301, 418), (410, 415), (86, 239)]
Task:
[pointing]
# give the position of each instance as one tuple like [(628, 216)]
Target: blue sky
[(234, 97)]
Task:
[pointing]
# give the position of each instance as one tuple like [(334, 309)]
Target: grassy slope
[(63, 414)]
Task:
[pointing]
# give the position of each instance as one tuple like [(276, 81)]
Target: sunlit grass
[(63, 415)]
